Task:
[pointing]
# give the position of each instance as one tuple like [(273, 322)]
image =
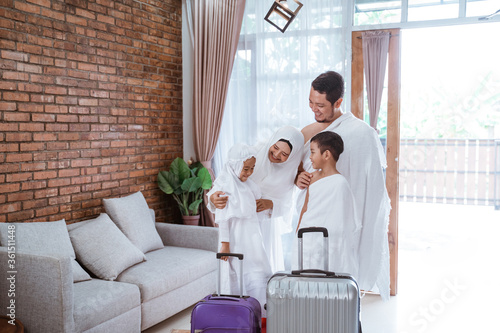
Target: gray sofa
[(51, 297)]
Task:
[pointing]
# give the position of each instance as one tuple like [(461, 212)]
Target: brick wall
[(90, 105)]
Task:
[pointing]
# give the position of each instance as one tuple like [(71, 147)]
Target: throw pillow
[(132, 215), (102, 248), (47, 238)]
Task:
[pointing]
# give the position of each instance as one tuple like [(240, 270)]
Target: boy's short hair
[(330, 141)]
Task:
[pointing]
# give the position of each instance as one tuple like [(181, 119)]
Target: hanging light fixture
[(281, 15)]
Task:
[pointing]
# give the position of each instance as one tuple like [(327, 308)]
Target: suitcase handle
[(219, 255), (237, 255), (314, 271), (302, 231)]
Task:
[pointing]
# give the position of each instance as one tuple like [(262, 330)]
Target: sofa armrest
[(203, 238), (41, 291)]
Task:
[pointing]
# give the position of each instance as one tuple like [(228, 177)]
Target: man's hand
[(218, 200), (224, 249), (303, 180), (263, 204)]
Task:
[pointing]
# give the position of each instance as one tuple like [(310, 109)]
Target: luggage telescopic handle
[(237, 255), (240, 257), (302, 231)]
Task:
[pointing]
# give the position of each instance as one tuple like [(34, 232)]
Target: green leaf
[(167, 182), (191, 184), (206, 179), (193, 207), (180, 168)]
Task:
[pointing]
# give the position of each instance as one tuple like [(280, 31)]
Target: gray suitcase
[(312, 301)]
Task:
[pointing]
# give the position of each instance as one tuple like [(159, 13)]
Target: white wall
[(187, 88)]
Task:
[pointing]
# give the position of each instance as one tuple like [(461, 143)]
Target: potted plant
[(186, 183)]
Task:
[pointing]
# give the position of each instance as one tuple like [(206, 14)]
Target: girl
[(239, 229)]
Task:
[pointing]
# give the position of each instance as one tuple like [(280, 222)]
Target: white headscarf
[(242, 195), (276, 179)]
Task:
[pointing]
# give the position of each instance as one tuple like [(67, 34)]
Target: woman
[(275, 171)]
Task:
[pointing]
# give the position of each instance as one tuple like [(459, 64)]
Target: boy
[(329, 203)]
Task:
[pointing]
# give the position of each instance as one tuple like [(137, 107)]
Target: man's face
[(322, 108)]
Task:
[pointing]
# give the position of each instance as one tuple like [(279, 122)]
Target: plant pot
[(191, 220)]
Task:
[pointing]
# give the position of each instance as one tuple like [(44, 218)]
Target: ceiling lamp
[(281, 15)]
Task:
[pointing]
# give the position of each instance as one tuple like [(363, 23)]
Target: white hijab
[(276, 180), (242, 194)]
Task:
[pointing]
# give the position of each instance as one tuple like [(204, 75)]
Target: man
[(362, 164)]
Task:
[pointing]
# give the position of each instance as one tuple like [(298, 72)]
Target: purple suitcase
[(226, 313)]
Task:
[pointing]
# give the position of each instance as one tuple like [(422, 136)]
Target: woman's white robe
[(276, 182)]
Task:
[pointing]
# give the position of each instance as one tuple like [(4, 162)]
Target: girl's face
[(247, 170), (279, 152), (316, 157)]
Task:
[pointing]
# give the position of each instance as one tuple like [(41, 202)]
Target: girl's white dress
[(276, 182), (239, 225)]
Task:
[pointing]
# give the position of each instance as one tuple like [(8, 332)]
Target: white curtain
[(273, 71)]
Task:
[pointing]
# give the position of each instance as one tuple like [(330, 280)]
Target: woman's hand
[(264, 204), (218, 200), (224, 249)]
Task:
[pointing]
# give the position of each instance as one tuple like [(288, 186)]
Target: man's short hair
[(330, 141), (330, 83)]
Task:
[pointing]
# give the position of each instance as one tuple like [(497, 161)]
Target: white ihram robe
[(362, 163), (331, 205), (276, 182), (239, 225)]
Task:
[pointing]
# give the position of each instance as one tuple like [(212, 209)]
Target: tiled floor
[(448, 273)]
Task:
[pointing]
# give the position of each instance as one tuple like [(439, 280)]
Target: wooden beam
[(357, 100), (393, 139)]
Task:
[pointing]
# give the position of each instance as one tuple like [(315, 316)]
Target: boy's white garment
[(331, 205), (276, 182), (239, 225), (362, 164)]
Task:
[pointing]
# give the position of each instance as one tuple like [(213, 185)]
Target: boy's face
[(316, 157), (247, 170), (279, 152)]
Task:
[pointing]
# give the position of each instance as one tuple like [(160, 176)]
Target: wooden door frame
[(393, 132)]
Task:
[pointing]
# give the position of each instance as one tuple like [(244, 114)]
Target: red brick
[(8, 106), (9, 188), (56, 90), (15, 96), (32, 146), (18, 117), (44, 175), (50, 210), (9, 147), (11, 207), (18, 137), (56, 108), (43, 117), (35, 204), (34, 185), (31, 127), (20, 196), (44, 137), (19, 177), (11, 158), (30, 87), (16, 76)]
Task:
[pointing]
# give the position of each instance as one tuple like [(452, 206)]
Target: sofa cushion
[(98, 301), (132, 215), (102, 248), (167, 269), (49, 238)]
